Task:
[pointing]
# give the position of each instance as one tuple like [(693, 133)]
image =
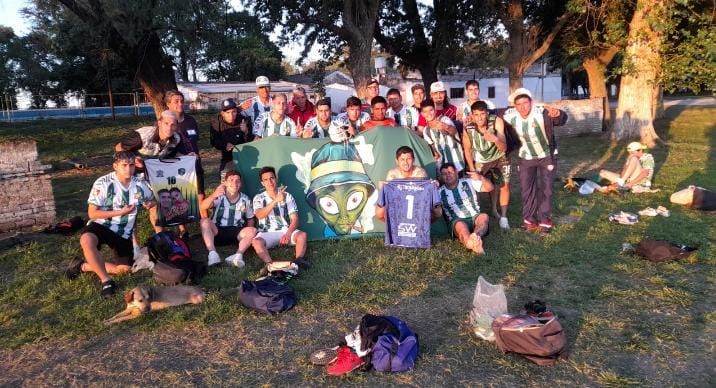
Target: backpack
[(172, 260), (541, 341), (391, 354), (267, 296)]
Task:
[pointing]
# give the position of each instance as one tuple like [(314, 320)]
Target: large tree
[(342, 27), (131, 30), (532, 26)]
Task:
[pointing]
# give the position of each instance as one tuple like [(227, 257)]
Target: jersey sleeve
[(147, 192), (476, 184), (259, 125), (98, 194), (249, 209), (648, 163), (258, 202), (427, 136), (291, 204), (381, 197)]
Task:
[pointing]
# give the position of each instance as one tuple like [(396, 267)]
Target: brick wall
[(585, 116), (26, 191)]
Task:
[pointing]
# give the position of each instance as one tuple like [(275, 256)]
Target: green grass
[(628, 321)]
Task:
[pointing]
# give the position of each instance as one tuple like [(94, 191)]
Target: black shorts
[(227, 235), (122, 247)]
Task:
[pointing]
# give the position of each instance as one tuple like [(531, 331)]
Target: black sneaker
[(74, 268), (109, 288), (302, 263)]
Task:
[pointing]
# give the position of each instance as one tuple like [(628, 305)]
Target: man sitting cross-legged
[(232, 221), (277, 213), (461, 207), (637, 172), (112, 208)]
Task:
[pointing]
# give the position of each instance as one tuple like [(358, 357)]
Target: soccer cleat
[(237, 260), (346, 361), (214, 258), (504, 224)]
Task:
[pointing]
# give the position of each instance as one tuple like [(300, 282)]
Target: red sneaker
[(529, 225), (346, 361)]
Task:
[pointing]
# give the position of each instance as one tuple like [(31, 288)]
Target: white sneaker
[(504, 224), (650, 211), (214, 258), (237, 260)]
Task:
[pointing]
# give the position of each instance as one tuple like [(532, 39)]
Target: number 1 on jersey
[(410, 198)]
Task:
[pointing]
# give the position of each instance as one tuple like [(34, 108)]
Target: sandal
[(109, 288)]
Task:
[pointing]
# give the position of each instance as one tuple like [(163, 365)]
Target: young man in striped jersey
[(275, 122), (442, 136), (260, 103), (317, 127), (112, 208), (403, 115), (459, 197), (536, 157), (277, 213), (472, 91), (354, 116), (484, 143), (232, 221)]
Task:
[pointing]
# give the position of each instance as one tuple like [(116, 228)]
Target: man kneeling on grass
[(461, 206), (112, 208), (277, 213), (232, 221)]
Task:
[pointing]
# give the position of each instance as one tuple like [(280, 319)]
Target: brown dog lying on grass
[(144, 299)]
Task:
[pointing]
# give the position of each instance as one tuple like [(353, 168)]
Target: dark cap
[(228, 104)]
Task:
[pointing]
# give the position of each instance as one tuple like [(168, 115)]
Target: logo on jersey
[(407, 230)]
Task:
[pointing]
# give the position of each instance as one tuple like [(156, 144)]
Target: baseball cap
[(437, 87), (228, 104), (373, 81), (517, 93), (635, 146), (262, 81)]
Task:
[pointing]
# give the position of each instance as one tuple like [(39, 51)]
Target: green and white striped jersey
[(264, 126), (461, 201), (483, 151), (227, 213), (448, 146), (406, 117), (466, 107), (257, 108), (318, 131), (108, 194), (358, 124), (530, 131), (279, 219)]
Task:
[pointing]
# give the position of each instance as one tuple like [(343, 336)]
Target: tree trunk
[(359, 19), (598, 87), (634, 117), (658, 103), (358, 63), (153, 71), (514, 24), (429, 74)]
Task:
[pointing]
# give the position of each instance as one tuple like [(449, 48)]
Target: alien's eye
[(354, 200), (328, 205)]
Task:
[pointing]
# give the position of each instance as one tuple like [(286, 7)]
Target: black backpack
[(172, 260), (267, 296)]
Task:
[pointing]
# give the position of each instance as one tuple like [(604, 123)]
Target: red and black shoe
[(346, 361), (545, 227), (529, 226)]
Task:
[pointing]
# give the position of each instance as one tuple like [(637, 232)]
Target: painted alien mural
[(339, 188)]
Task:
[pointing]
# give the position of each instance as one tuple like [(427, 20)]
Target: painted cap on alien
[(336, 164)]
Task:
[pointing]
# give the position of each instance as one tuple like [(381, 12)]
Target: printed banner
[(335, 184), (173, 182)]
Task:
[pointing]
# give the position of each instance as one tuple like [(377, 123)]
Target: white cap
[(262, 81), (517, 93), (437, 87), (635, 146)]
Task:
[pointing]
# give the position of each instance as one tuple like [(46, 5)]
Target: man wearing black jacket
[(228, 129)]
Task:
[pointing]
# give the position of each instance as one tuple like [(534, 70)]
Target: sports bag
[(267, 296), (395, 354), (172, 260), (540, 341), (661, 250)]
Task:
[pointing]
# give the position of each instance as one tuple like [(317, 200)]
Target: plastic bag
[(489, 303), (588, 187)]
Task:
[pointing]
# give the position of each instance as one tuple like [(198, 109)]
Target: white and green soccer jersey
[(108, 194), (264, 126), (318, 131), (466, 108), (358, 124), (461, 201), (280, 217), (448, 146), (483, 151), (406, 117), (647, 162), (256, 108), (227, 213), (530, 131)]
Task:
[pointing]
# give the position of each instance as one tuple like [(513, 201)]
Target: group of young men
[(469, 145)]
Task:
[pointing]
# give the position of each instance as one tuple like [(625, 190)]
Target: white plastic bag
[(489, 303), (588, 187)]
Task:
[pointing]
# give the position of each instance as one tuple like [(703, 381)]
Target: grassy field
[(628, 321)]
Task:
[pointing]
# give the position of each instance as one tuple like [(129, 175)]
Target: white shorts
[(272, 239)]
